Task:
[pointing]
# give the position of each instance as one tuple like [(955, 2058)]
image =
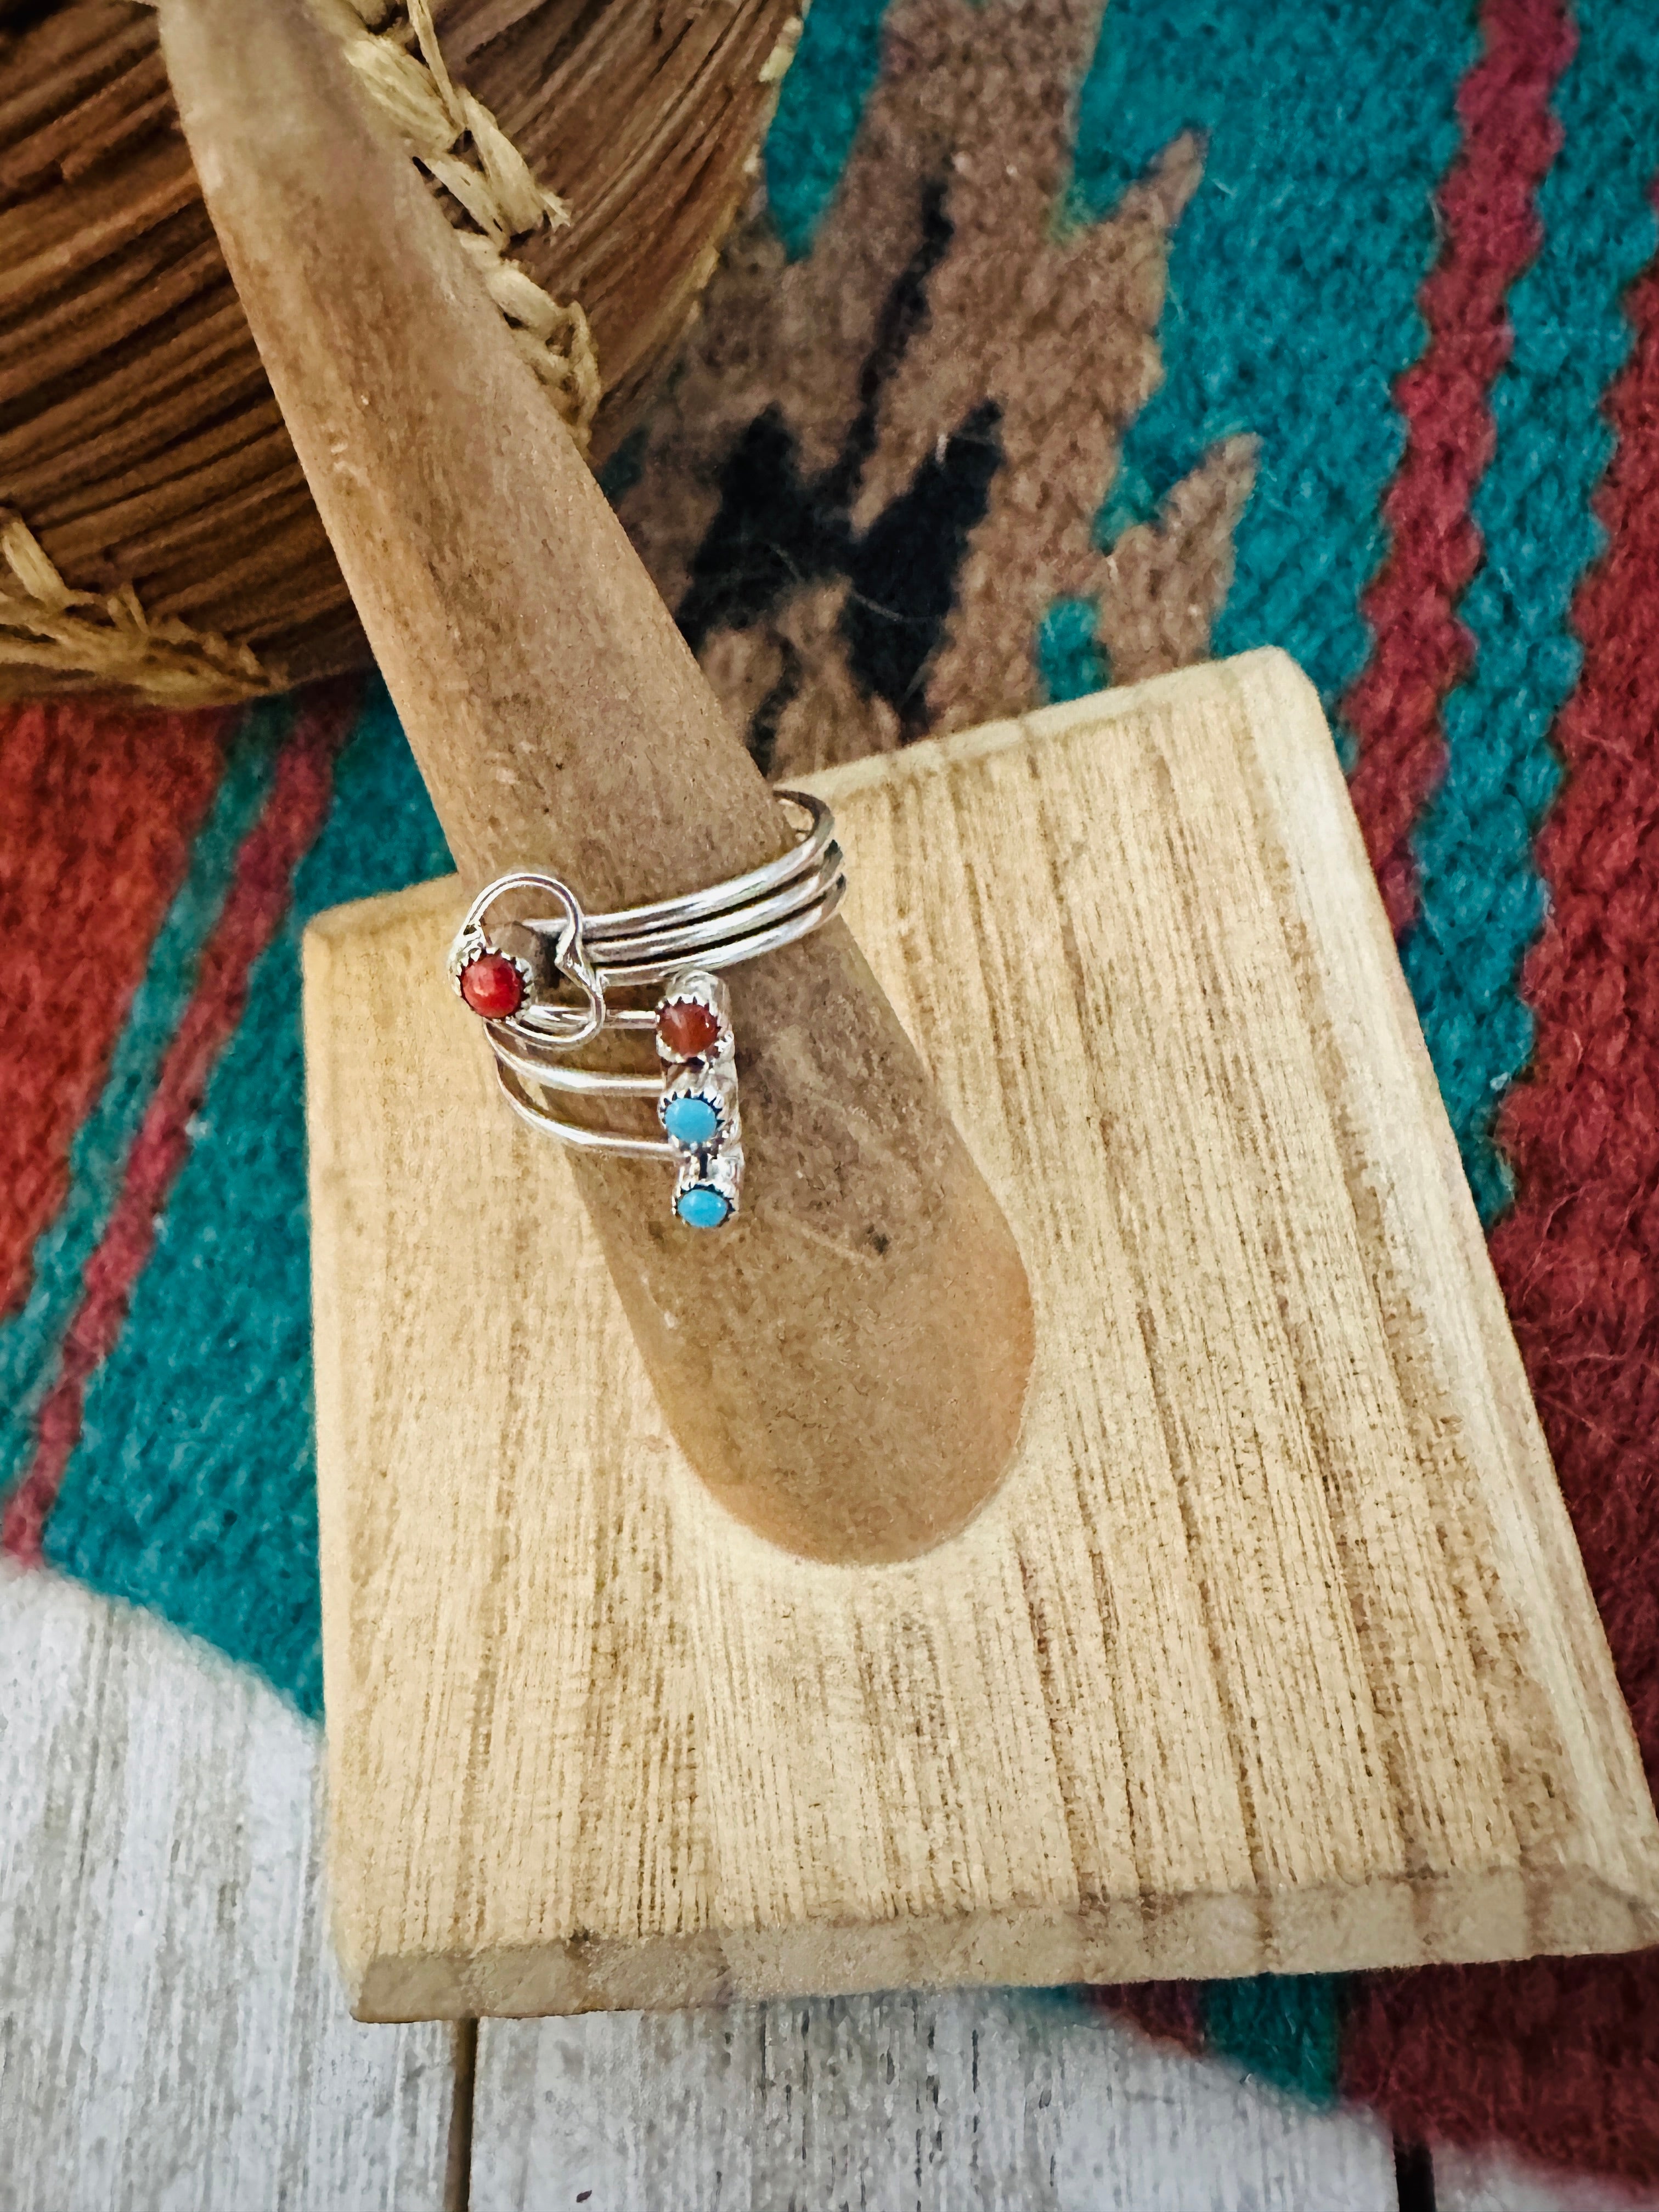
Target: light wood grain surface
[(924, 2103), (169, 2041), (173, 2036), (1274, 1648)]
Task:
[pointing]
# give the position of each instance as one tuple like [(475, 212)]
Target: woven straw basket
[(157, 535)]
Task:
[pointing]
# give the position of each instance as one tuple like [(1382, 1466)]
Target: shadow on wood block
[(1272, 1651)]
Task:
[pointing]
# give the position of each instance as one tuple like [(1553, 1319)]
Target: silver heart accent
[(540, 1021)]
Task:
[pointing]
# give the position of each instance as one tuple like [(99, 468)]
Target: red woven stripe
[(1579, 1256), (259, 896), (1492, 232), (1166, 2011), (1562, 2058), (97, 807)]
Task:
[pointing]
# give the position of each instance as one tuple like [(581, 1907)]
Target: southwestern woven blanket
[(1064, 351)]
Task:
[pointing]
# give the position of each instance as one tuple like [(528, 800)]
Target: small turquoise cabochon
[(703, 1206), (691, 1121)]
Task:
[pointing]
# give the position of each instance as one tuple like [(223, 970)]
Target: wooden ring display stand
[(1251, 1635)]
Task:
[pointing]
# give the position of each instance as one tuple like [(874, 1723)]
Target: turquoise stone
[(701, 1206), (691, 1121)]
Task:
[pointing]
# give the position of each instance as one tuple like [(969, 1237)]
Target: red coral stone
[(492, 986), (687, 1028)]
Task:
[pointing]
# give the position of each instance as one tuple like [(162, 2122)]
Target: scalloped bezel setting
[(697, 1106)]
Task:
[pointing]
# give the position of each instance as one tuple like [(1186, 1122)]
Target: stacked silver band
[(538, 1008)]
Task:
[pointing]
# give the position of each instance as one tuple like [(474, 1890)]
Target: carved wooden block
[(1272, 1651)]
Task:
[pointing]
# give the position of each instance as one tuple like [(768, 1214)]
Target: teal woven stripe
[(820, 109), (1071, 663), (1482, 900), (192, 1489), (1282, 2028), (1293, 277), (30, 1340)]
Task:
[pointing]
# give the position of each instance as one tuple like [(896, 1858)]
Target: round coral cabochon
[(688, 1028), (492, 986)]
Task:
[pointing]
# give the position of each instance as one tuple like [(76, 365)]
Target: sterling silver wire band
[(700, 920), (538, 1008)]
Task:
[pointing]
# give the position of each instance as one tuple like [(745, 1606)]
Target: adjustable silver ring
[(554, 997)]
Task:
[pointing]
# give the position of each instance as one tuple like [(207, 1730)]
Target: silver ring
[(555, 997)]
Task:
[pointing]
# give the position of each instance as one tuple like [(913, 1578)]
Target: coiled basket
[(157, 535)]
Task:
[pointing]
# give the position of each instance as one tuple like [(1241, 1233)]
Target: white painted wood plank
[(964, 2099), (173, 2036), (1487, 2181)]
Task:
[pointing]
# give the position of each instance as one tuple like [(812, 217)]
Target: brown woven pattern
[(1053, 329)]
